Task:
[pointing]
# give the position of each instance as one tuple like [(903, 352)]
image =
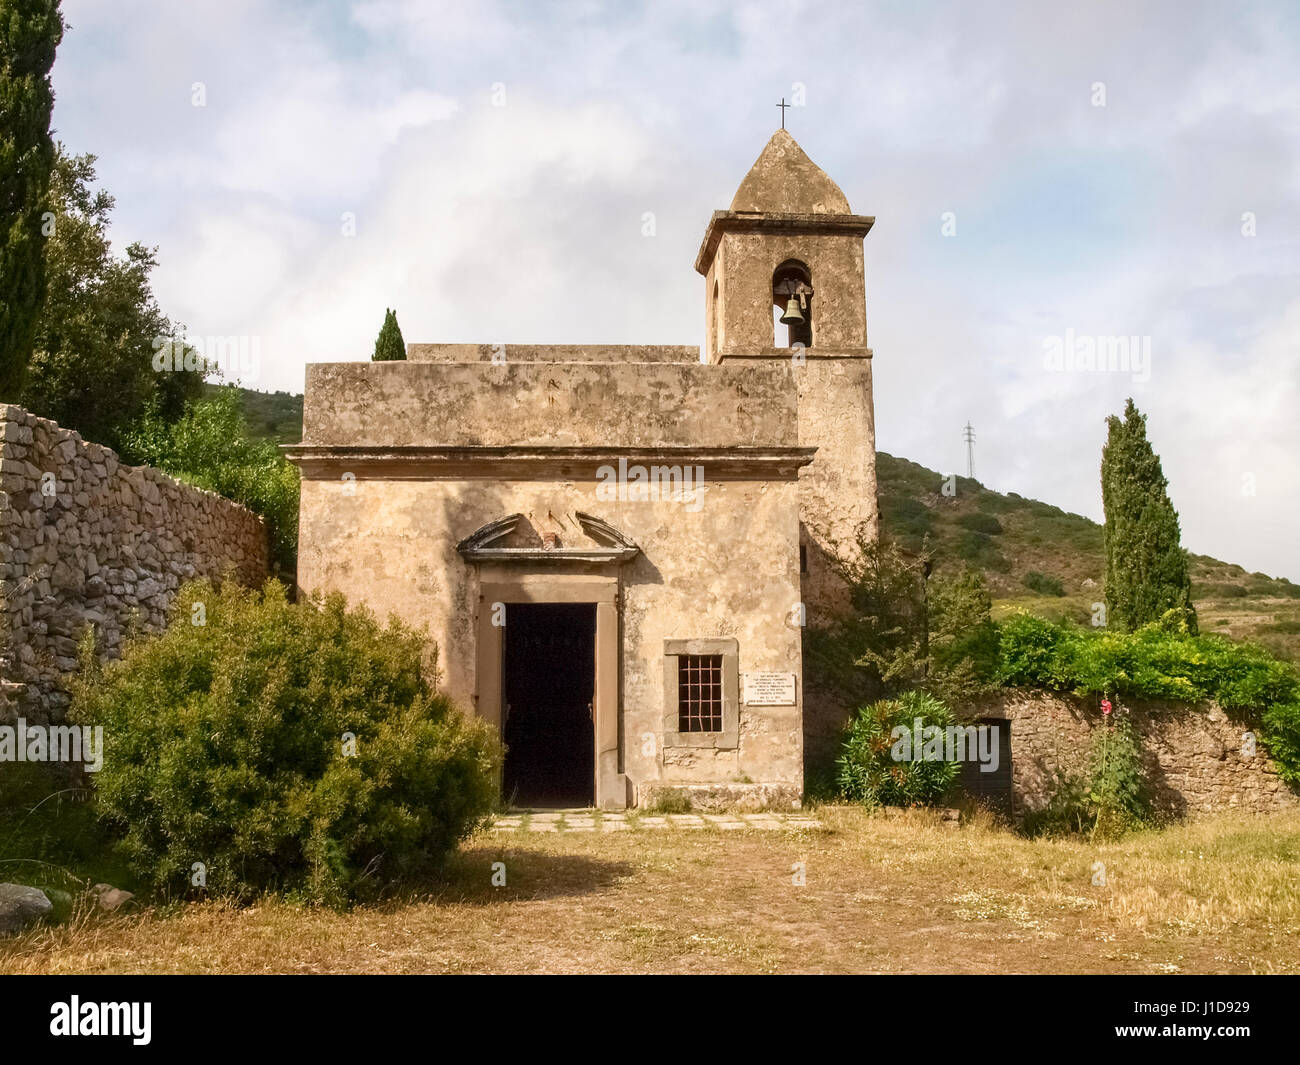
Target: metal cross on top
[(783, 105)]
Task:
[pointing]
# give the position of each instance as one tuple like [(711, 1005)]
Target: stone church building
[(617, 547)]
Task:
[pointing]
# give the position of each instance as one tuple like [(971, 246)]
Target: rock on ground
[(20, 906)]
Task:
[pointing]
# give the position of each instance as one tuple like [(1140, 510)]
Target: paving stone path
[(601, 821)]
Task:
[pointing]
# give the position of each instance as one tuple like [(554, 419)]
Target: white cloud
[(523, 223)]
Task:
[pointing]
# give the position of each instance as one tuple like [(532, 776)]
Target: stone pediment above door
[(577, 537)]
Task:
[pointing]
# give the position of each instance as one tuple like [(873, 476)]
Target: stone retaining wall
[(87, 540), (1196, 757)]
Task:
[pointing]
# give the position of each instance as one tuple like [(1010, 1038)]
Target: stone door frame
[(603, 591)]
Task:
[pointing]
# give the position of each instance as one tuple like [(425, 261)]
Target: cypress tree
[(389, 345), (1146, 567), (30, 32)]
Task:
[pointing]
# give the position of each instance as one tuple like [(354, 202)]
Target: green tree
[(30, 32), (1146, 566), (389, 345), (905, 629), (98, 334), (209, 446), (963, 641)]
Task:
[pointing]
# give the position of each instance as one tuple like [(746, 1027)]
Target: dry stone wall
[(86, 540), (1196, 758)]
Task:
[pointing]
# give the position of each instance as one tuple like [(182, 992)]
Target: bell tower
[(789, 242), (785, 280)]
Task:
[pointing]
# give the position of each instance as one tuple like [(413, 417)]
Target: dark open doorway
[(550, 685)]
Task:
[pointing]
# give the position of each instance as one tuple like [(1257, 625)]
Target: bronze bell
[(793, 315)]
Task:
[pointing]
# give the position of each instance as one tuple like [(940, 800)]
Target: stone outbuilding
[(616, 548)]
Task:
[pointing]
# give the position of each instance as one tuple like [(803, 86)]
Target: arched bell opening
[(792, 295)]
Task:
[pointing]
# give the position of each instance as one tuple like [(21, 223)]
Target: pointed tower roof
[(784, 192), (785, 181)]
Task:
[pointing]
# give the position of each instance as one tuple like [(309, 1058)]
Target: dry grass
[(884, 893)]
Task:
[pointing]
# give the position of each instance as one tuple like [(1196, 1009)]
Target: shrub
[(1043, 584), (227, 743), (1160, 661), (980, 523), (972, 545), (872, 769), (210, 447), (906, 519), (978, 548), (671, 801), (1218, 590)]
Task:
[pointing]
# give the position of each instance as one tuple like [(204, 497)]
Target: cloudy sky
[(1127, 169)]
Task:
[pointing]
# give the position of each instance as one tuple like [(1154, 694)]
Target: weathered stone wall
[(511, 353), (402, 404), (1194, 756), (87, 540)]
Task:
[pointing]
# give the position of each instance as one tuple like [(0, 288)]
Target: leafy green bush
[(209, 446), (1217, 590), (981, 523), (978, 548), (908, 520), (971, 546), (1160, 662), (1042, 583), (230, 743), (874, 768)]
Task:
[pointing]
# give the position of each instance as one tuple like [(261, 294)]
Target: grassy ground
[(896, 893)]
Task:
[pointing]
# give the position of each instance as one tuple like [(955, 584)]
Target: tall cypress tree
[(1146, 567), (389, 345), (30, 32)]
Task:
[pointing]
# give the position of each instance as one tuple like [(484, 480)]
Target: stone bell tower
[(784, 280)]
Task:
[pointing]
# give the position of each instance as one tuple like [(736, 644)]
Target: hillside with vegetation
[(1042, 558)]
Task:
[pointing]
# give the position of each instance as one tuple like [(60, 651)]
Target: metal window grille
[(699, 693)]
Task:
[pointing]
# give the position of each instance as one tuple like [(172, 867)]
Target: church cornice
[(531, 463), (854, 225)]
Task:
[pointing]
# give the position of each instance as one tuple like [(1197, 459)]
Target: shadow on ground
[(528, 874)]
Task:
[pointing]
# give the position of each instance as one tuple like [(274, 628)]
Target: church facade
[(617, 548)]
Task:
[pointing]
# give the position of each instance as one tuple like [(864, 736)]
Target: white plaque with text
[(769, 689)]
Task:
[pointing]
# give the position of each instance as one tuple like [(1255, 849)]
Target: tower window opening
[(792, 298)]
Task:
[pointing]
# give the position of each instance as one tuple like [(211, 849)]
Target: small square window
[(701, 705), (699, 693)]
